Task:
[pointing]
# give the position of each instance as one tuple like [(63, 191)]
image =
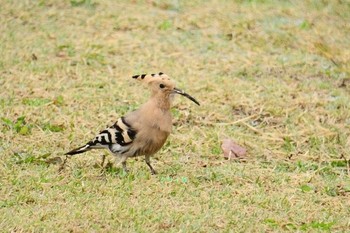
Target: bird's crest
[(148, 78)]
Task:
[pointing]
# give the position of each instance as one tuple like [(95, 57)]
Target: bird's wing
[(118, 137)]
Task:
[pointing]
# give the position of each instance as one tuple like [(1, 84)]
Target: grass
[(272, 75)]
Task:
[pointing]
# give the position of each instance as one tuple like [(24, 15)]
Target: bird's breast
[(148, 143), (153, 126)]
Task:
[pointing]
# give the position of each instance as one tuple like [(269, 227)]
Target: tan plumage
[(143, 131)]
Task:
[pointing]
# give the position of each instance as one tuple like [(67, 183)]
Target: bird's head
[(161, 84)]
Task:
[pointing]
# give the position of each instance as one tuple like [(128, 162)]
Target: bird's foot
[(153, 172)]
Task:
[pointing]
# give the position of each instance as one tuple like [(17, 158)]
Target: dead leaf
[(232, 150)]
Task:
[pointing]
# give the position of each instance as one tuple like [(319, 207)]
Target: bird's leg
[(123, 162), (63, 163), (126, 170), (148, 162), (103, 156)]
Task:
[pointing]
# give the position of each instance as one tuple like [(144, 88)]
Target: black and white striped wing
[(117, 138)]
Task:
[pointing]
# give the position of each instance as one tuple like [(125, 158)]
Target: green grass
[(272, 75)]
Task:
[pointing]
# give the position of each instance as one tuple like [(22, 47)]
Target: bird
[(144, 131)]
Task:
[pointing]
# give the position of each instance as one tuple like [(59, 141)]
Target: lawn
[(274, 76)]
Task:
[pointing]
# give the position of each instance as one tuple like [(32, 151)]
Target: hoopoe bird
[(144, 131)]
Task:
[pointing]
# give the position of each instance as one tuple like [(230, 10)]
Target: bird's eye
[(161, 85)]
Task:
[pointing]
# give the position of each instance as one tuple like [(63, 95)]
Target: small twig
[(251, 127), (334, 62), (230, 123)]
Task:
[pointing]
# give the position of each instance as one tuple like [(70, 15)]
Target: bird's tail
[(80, 150)]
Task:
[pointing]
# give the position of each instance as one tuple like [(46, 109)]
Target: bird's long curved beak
[(181, 92)]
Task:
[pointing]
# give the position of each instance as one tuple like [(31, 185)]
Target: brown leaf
[(232, 150)]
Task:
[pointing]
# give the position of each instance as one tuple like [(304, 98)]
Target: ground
[(271, 75)]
